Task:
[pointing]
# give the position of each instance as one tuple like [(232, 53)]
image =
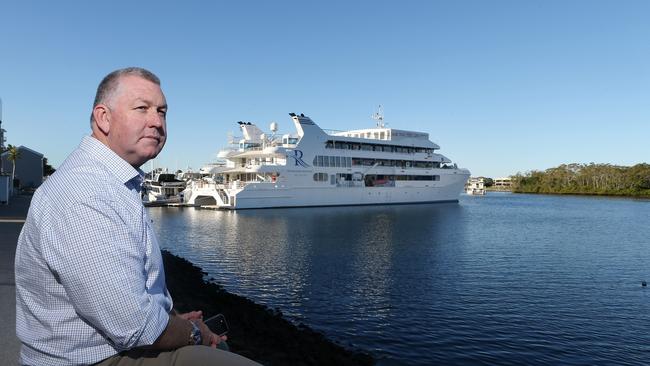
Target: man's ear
[(102, 118)]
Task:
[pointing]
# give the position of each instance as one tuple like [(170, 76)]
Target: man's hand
[(209, 338), (182, 322), (192, 315)]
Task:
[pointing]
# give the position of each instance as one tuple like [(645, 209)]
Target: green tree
[(14, 154), (47, 168), (606, 179)]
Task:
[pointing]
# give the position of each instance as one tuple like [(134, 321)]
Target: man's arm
[(101, 266)]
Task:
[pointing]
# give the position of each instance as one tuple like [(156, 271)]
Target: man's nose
[(156, 119)]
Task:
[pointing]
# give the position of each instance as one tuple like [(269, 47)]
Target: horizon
[(503, 88)]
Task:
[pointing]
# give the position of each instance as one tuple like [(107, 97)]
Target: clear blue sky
[(502, 86)]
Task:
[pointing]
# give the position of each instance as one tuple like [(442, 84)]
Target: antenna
[(379, 116)]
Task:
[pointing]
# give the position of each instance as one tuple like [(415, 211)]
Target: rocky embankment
[(256, 331)]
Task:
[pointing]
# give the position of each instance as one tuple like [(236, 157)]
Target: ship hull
[(265, 195)]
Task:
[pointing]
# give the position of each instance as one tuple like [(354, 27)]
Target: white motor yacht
[(313, 167)]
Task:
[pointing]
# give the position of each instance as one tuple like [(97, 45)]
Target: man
[(90, 282)]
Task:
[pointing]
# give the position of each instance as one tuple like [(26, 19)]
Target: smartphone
[(217, 324)]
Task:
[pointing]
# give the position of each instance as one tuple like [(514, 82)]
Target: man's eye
[(142, 108), (162, 112)]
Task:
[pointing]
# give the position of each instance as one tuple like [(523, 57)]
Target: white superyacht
[(314, 168)]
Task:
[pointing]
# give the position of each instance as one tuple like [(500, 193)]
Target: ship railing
[(207, 185), (203, 184), (237, 184), (350, 183)]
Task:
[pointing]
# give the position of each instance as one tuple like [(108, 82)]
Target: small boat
[(164, 188), (475, 187)]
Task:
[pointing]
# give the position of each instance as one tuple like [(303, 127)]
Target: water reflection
[(290, 257)]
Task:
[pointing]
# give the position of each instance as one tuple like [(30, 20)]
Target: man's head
[(129, 115)]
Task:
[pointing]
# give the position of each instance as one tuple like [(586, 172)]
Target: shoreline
[(256, 331), (642, 197), (572, 194)]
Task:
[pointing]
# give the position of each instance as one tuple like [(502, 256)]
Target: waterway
[(502, 279)]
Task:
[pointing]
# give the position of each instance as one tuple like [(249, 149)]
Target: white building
[(503, 183)]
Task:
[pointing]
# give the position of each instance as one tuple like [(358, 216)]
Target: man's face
[(138, 127)]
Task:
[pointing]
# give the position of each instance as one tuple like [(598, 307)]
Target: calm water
[(502, 279)]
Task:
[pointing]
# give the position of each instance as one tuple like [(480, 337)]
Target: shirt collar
[(113, 162)]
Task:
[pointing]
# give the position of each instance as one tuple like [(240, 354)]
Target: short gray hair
[(109, 84)]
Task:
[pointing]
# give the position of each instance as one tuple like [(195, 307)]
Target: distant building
[(29, 167), (503, 183)]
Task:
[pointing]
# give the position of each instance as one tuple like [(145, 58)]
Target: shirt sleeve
[(99, 256)]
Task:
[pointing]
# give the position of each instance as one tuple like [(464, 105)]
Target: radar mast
[(379, 117)]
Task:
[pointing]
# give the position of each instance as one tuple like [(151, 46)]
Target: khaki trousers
[(188, 355)]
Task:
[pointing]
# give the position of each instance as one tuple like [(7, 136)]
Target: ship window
[(326, 161), (338, 161), (320, 177), (349, 162), (365, 147), (332, 179), (381, 135), (332, 161), (315, 160), (329, 145), (320, 160)]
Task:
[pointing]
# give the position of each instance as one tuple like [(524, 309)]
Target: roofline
[(25, 148)]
